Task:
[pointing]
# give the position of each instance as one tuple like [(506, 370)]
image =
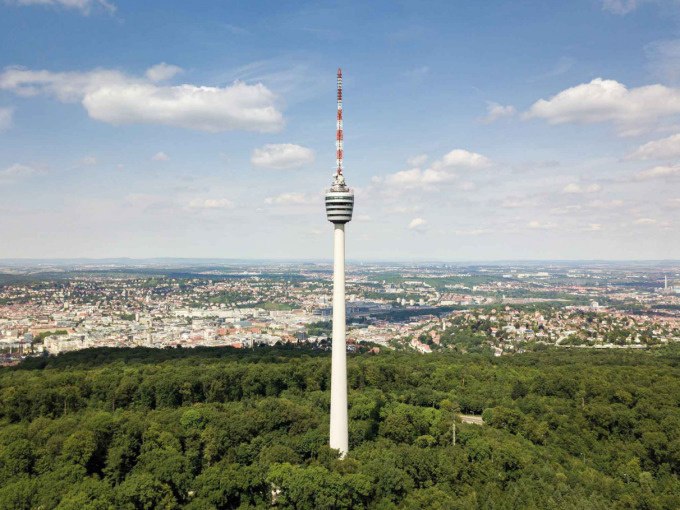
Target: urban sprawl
[(500, 309)]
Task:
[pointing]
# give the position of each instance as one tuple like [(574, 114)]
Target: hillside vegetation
[(220, 428)]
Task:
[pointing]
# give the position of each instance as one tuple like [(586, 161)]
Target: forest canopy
[(220, 428)]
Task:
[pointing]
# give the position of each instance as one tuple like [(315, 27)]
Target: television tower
[(339, 206)]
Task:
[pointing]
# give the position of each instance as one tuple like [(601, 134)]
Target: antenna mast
[(339, 134)]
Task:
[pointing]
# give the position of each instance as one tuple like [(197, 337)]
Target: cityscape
[(323, 255), (502, 309)]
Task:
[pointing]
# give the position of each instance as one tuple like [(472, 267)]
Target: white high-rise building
[(339, 207)]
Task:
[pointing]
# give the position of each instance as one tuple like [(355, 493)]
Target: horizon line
[(320, 260)]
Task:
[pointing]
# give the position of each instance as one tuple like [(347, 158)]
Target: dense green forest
[(220, 428)]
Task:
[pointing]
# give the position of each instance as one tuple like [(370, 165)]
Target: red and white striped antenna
[(339, 134)]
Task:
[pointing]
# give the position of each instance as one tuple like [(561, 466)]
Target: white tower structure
[(339, 206)]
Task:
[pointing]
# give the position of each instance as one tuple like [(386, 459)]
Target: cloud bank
[(160, 156), (84, 6), (666, 148), (17, 171), (282, 156), (441, 171), (418, 224), (286, 199), (210, 204), (162, 72), (608, 101), (115, 98), (658, 172), (495, 111)]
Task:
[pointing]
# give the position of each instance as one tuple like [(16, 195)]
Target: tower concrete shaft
[(339, 437)]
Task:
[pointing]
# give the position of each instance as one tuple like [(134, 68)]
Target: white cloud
[(84, 6), (473, 231), (67, 87), (658, 172), (210, 203), (238, 107), (417, 161), (402, 209), (608, 101), (6, 115), (162, 72), (515, 203), (160, 156), (567, 209), (88, 161), (645, 221), (418, 224), (593, 227), (462, 158), (576, 188), (113, 97), (535, 224), (282, 156), (620, 7), (147, 202), (17, 171), (666, 148), (495, 111), (417, 178), (440, 172), (289, 199), (601, 204)]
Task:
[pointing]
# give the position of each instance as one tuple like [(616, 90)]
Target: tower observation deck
[(339, 201)]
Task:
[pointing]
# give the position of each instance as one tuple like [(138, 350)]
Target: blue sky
[(473, 130)]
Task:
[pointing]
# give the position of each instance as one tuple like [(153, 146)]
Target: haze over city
[(516, 130)]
